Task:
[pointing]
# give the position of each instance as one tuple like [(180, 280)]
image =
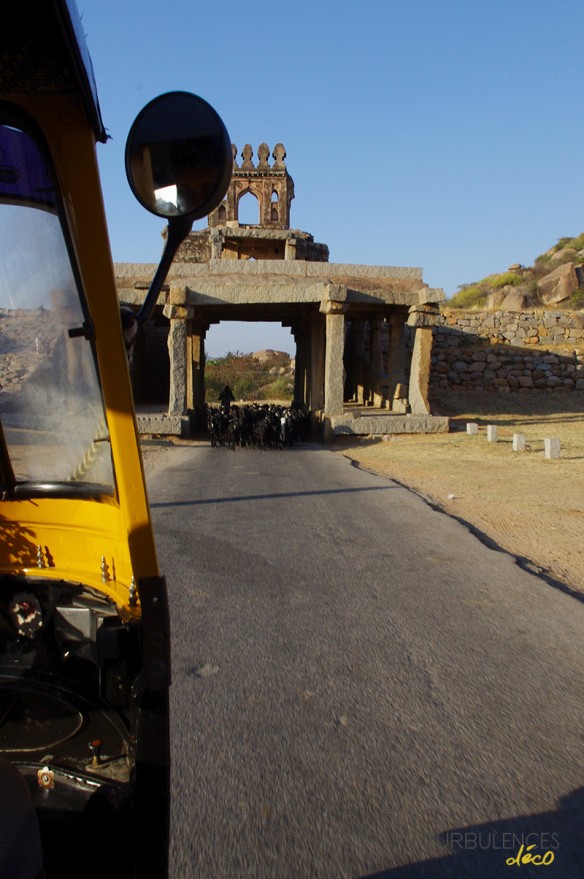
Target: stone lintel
[(130, 296), (329, 306), (335, 292), (178, 312), (177, 295), (325, 270), (423, 316), (431, 294), (334, 299)]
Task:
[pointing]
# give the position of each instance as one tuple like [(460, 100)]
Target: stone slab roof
[(261, 282)]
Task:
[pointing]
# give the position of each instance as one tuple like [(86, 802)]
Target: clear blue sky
[(446, 134)]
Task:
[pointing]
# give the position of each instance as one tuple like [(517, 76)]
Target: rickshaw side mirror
[(179, 164)]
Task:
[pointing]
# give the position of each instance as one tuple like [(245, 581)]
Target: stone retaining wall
[(534, 327), (508, 351)]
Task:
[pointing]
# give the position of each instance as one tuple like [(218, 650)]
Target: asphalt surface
[(360, 687)]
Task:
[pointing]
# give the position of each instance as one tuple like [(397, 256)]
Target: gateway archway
[(350, 323)]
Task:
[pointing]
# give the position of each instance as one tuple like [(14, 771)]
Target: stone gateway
[(354, 370)]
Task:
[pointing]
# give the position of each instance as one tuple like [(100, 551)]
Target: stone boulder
[(509, 298), (267, 354), (565, 254), (559, 285)]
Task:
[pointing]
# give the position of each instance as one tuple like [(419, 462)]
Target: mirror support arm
[(178, 229)]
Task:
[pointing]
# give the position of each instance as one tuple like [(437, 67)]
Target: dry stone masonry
[(529, 351)]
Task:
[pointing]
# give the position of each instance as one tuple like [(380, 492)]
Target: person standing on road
[(226, 397)]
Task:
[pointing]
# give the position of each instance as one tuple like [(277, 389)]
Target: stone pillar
[(334, 306), (366, 367), (317, 357), (397, 355), (359, 358), (423, 318), (180, 364), (217, 241), (350, 391), (290, 248), (376, 371), (196, 388), (299, 331)]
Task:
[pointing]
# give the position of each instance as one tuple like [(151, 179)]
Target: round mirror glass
[(178, 156)]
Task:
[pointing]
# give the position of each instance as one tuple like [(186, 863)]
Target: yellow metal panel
[(79, 532)]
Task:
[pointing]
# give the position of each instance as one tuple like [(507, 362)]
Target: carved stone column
[(423, 318), (334, 306), (180, 363)]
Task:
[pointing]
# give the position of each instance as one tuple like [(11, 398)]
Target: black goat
[(261, 426)]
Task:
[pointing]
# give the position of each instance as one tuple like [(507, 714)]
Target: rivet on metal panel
[(46, 778)]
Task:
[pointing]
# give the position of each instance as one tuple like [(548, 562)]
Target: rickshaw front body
[(84, 640)]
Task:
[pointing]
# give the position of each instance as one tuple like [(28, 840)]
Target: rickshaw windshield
[(51, 410)]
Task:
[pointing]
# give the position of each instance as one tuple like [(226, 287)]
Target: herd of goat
[(257, 426)]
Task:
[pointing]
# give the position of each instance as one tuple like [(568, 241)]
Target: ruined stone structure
[(270, 184), (348, 321)]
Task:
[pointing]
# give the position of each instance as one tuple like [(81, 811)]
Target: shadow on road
[(490, 851), (271, 496)]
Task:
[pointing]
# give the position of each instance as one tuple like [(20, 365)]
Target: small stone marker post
[(492, 433), (551, 448), (472, 427), (518, 442)]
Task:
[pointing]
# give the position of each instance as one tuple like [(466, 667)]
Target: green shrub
[(576, 300), (280, 389), (576, 243), (469, 296), (505, 279)]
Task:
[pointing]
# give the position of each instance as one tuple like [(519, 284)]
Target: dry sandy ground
[(528, 505)]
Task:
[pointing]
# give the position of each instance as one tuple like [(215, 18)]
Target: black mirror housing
[(179, 164), (178, 157)]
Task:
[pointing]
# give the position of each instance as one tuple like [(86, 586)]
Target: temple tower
[(270, 184)]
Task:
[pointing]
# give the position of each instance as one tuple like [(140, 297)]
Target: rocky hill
[(556, 279)]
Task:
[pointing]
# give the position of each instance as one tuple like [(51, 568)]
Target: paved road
[(361, 688)]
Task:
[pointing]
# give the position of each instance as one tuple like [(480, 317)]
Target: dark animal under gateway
[(257, 426)]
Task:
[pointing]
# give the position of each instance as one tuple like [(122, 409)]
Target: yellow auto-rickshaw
[(84, 632)]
